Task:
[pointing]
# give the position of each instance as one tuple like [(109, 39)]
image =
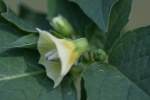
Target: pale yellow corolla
[(59, 55)]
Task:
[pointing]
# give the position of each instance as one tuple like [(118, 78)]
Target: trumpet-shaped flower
[(59, 55)]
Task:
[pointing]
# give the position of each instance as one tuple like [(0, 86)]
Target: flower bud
[(102, 56), (61, 25)]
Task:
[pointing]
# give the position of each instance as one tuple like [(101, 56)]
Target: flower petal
[(53, 68), (67, 54), (66, 50)]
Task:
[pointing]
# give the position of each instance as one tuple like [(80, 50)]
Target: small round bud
[(61, 25), (101, 55)]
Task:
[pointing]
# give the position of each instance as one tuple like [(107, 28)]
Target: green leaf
[(2, 6), (6, 38), (38, 19), (19, 81), (105, 82), (95, 36), (7, 27), (118, 19), (70, 11), (10, 38), (27, 41), (20, 23), (98, 10), (131, 55), (2, 9)]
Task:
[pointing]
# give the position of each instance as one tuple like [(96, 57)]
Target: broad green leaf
[(5, 39), (38, 19), (131, 55), (70, 11), (118, 19), (4, 26), (105, 82), (9, 37), (22, 81), (27, 41), (95, 36), (98, 10), (20, 23), (2, 6), (2, 9)]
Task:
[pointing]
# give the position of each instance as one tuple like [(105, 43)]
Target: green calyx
[(81, 45)]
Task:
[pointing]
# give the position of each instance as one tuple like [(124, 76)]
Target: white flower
[(59, 55)]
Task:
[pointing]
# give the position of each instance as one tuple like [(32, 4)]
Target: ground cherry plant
[(76, 51)]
